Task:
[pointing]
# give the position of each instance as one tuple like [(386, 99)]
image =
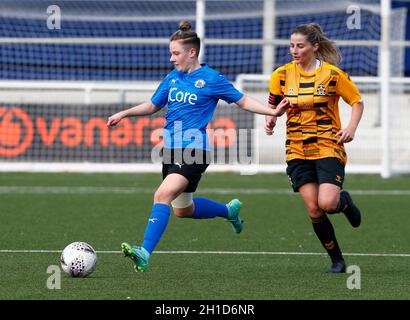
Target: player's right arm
[(275, 98), (158, 101), (270, 122), (142, 109)]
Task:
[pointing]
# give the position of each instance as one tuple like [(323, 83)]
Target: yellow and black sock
[(326, 234)]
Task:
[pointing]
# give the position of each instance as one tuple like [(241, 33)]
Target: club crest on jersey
[(291, 91), (321, 90), (199, 84)]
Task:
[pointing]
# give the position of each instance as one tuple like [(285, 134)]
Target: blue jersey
[(191, 99)]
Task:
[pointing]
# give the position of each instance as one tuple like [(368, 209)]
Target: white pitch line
[(136, 190), (277, 253)]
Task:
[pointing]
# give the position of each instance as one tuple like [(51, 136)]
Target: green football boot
[(138, 255), (234, 206)]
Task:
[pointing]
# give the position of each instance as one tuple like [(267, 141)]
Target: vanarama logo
[(16, 131), (25, 130)]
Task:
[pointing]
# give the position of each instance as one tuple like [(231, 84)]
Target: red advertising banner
[(74, 133)]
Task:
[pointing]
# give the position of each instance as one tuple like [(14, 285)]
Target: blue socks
[(157, 223), (207, 209), (158, 220)]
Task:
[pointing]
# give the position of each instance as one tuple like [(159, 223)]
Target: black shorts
[(327, 170), (190, 163)]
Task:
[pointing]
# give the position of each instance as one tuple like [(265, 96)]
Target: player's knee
[(314, 210), (183, 205), (179, 214), (182, 212), (162, 196), (328, 205)]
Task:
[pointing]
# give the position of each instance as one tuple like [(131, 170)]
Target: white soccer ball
[(78, 259)]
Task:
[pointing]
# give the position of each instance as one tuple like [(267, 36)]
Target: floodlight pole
[(200, 26), (268, 53), (385, 87)]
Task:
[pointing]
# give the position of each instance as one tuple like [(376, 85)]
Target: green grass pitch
[(277, 256)]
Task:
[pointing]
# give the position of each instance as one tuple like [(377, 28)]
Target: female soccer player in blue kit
[(191, 92)]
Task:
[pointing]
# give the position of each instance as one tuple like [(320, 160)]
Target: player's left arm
[(249, 104), (224, 90), (348, 90), (347, 134)]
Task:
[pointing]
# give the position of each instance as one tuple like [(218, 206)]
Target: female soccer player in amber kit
[(315, 154), (191, 92)]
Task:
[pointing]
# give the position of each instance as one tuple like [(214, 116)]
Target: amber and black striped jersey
[(314, 120)]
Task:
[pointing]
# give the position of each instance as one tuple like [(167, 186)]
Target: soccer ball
[(78, 259)]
